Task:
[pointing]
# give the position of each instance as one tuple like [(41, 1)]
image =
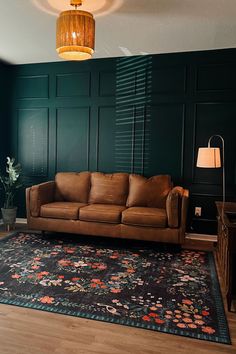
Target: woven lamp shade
[(75, 35)]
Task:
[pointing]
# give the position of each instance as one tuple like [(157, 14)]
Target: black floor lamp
[(209, 157)]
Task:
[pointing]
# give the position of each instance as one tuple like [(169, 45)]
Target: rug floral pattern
[(155, 288)]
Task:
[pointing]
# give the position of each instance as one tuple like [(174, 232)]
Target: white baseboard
[(18, 221), (201, 237), (21, 221)]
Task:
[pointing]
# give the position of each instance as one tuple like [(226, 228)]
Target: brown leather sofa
[(114, 205)]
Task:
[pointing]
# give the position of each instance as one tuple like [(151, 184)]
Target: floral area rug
[(142, 285)]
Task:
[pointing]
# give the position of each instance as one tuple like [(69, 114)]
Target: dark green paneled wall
[(5, 79), (4, 117), (143, 114)]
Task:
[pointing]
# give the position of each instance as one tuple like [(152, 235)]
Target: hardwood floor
[(27, 331)]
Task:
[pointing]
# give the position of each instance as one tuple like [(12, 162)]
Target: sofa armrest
[(38, 195), (184, 211), (176, 207), (173, 206)]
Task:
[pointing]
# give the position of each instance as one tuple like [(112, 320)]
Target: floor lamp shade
[(75, 35), (209, 157)]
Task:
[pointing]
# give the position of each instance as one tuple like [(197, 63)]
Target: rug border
[(215, 285), (220, 307)]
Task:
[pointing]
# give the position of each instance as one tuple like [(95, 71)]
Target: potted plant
[(10, 183)]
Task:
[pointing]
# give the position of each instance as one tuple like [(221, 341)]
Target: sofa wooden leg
[(42, 232)]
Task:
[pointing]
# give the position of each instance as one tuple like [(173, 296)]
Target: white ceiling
[(123, 27)]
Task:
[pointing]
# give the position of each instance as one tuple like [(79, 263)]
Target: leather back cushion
[(148, 192), (72, 186), (109, 188)]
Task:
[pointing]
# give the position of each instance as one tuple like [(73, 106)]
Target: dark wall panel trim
[(25, 78)]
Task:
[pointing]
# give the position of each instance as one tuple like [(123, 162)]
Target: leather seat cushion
[(102, 213), (148, 192), (109, 188), (72, 186), (140, 216), (61, 210)]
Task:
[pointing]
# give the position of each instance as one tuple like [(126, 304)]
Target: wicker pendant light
[(75, 33)]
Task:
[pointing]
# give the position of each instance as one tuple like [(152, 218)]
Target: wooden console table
[(226, 248)]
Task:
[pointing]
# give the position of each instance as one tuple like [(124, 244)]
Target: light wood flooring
[(27, 331)]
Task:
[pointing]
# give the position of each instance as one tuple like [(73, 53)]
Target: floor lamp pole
[(223, 161)]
